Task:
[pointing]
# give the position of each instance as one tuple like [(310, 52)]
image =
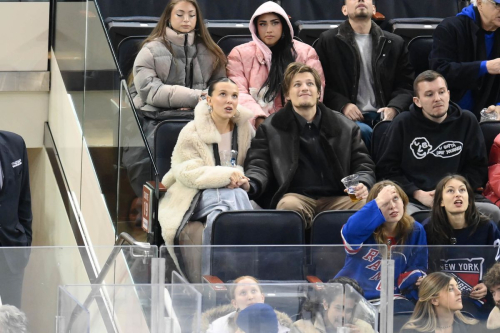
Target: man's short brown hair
[(492, 278), (428, 76), (296, 68)]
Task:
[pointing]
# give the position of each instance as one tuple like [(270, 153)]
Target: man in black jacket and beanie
[(367, 70), (300, 153), (466, 50)]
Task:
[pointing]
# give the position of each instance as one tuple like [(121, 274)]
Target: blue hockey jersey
[(363, 262)]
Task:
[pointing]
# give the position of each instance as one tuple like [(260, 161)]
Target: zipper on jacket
[(379, 84), (186, 59)]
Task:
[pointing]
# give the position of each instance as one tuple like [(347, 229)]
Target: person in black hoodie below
[(466, 50), (434, 139)]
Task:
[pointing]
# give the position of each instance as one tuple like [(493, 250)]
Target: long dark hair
[(440, 230), (283, 54)]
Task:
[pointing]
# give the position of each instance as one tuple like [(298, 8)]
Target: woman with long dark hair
[(258, 66), (455, 220), (177, 61), (383, 220), (438, 307)]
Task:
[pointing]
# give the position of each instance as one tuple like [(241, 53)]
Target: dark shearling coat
[(273, 157)]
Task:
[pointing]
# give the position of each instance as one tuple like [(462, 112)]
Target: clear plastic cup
[(350, 182), (488, 116)]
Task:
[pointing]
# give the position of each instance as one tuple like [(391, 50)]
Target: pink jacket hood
[(267, 7)]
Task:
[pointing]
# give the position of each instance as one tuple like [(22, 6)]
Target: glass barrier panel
[(460, 269), (100, 122), (116, 308), (31, 276), (69, 48), (279, 263), (135, 169), (72, 316), (359, 313)]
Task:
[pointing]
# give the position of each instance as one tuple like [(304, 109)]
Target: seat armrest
[(161, 187), (318, 284), (378, 16), (215, 283)]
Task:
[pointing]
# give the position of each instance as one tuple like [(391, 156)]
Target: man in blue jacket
[(15, 216), (466, 50)]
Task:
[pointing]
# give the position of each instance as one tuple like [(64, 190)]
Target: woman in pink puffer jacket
[(257, 67)]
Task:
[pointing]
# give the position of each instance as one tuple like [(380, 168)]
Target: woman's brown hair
[(404, 226)]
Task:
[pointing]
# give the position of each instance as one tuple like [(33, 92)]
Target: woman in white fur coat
[(201, 143)]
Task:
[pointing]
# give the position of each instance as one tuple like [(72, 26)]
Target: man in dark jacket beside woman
[(367, 70), (300, 153)]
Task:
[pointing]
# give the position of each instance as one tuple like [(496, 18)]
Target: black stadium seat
[(165, 140), (122, 27), (419, 49), (326, 228), (409, 28), (309, 31), (263, 227), (127, 51), (490, 131), (227, 43), (421, 215), (221, 28), (378, 137)]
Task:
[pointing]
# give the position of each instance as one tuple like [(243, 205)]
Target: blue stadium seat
[(127, 51), (259, 227), (327, 261)]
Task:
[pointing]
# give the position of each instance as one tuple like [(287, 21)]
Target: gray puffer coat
[(173, 80)]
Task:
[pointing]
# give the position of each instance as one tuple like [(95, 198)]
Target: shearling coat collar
[(205, 126)]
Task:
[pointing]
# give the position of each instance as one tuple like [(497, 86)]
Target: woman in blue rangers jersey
[(383, 220), (455, 220)]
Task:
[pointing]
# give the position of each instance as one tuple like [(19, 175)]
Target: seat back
[(490, 131), (419, 49), (165, 140), (120, 28), (263, 227), (309, 31), (220, 28), (328, 261), (227, 43), (127, 52), (378, 136), (421, 215)]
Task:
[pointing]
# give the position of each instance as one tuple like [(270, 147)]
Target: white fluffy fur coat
[(193, 166)]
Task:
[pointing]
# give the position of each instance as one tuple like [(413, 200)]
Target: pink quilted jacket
[(249, 63)]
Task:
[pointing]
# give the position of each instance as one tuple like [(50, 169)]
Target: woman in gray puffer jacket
[(177, 60)]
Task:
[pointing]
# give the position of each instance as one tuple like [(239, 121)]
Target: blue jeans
[(366, 127)]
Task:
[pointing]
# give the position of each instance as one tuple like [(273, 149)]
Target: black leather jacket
[(273, 156)]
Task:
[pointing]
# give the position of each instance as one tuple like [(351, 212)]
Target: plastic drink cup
[(488, 116), (350, 182)]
